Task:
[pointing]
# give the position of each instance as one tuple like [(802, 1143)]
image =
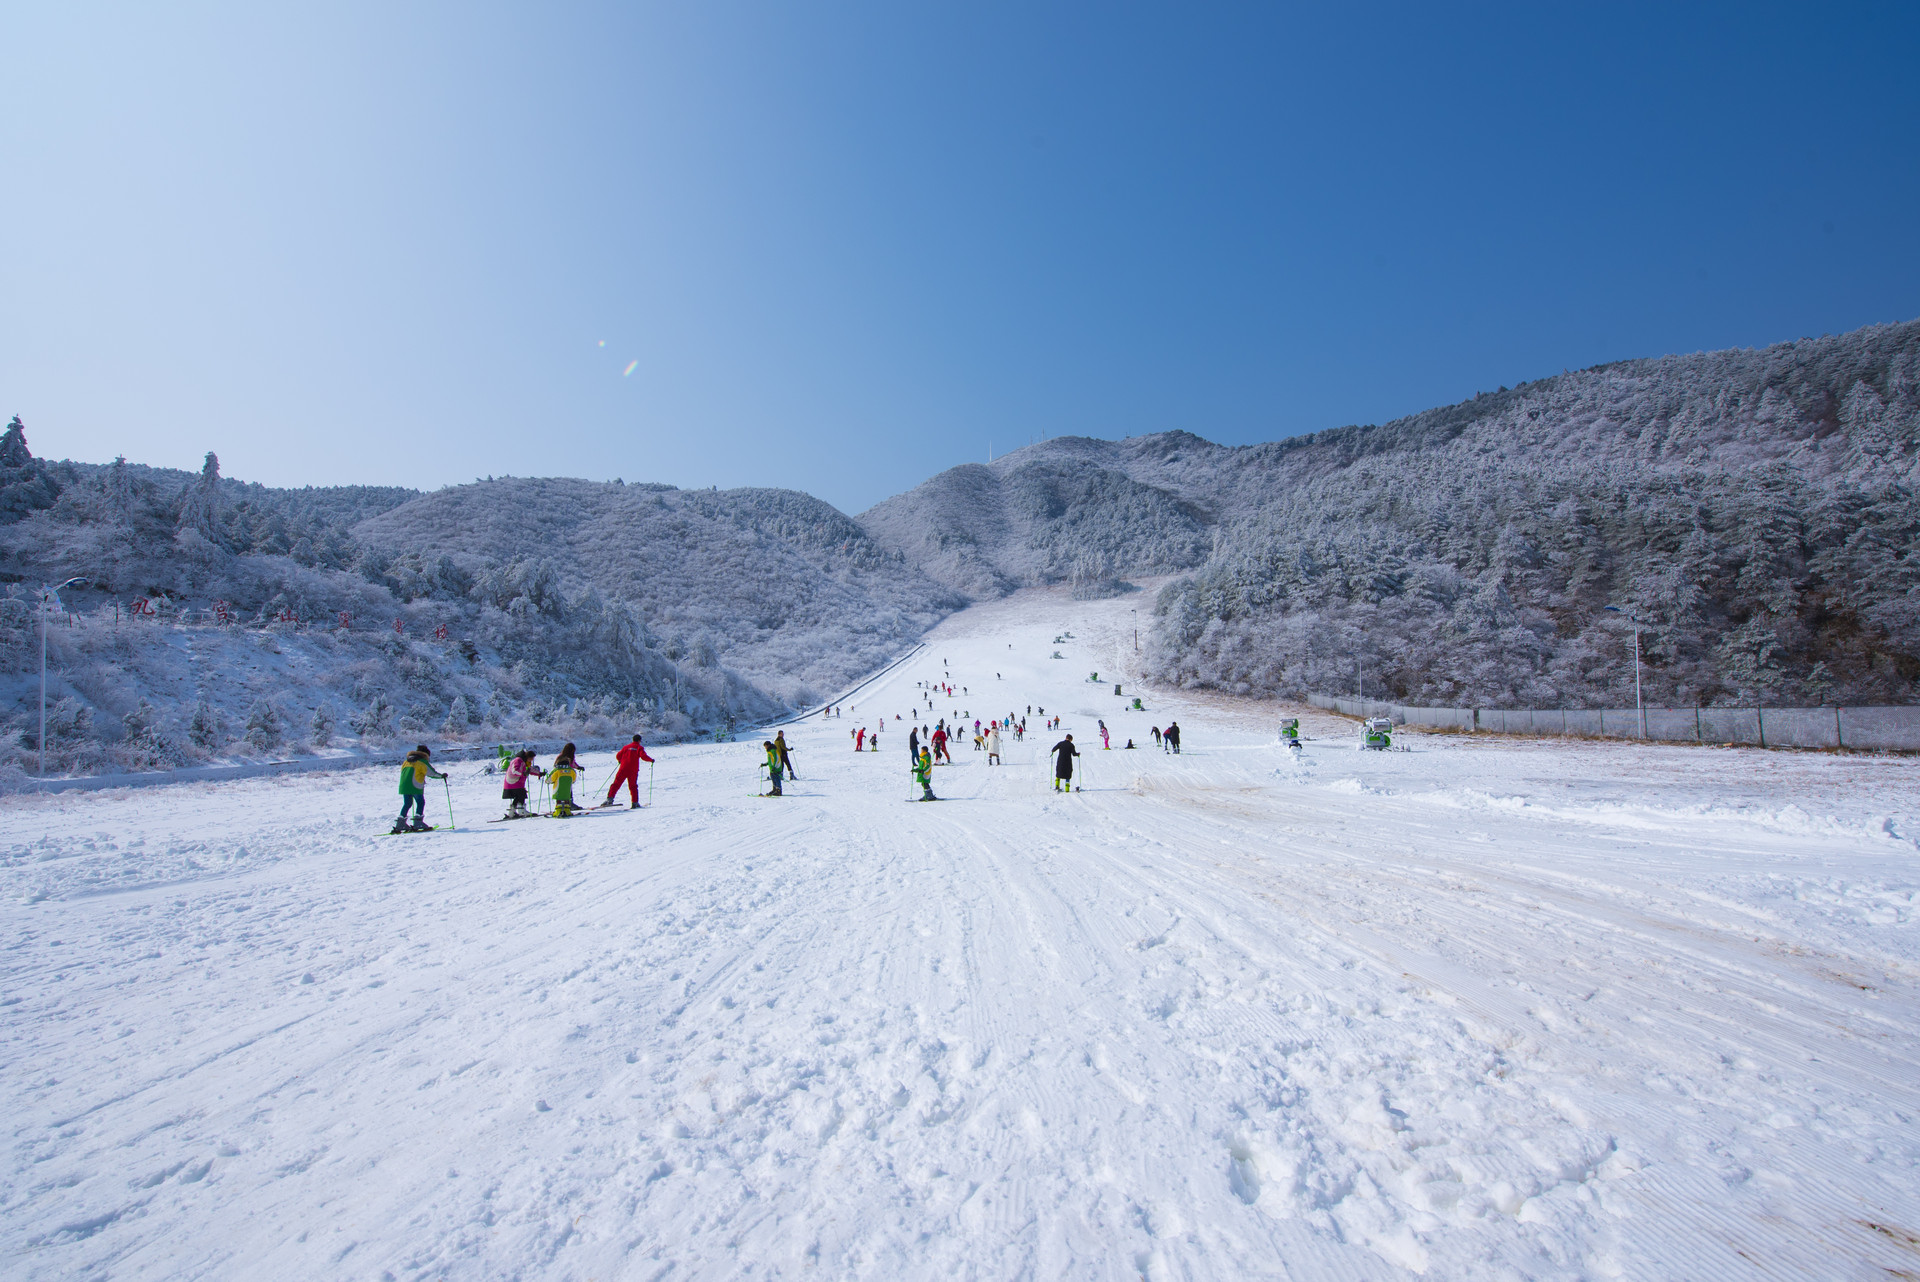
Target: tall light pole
[(1136, 630), (1638, 706), (46, 595)]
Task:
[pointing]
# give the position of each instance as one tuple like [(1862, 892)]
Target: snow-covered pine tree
[(201, 505), (205, 726), (264, 728)]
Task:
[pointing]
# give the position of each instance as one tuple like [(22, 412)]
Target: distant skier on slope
[(940, 743), (1172, 736), (1063, 754), (1156, 735), (414, 773), (786, 758), (1105, 743), (993, 745), (628, 760)]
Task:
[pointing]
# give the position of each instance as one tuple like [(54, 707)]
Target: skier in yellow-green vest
[(562, 776), (414, 773)]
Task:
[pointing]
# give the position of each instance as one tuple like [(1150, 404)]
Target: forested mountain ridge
[(222, 619), (1755, 508)]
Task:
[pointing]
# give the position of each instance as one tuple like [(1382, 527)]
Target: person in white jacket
[(993, 744)]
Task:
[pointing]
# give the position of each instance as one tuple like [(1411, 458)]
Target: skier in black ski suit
[(1063, 754), (1173, 736)]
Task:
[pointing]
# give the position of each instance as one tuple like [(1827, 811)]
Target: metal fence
[(1865, 729)]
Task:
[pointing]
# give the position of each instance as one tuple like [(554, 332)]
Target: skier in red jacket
[(629, 759)]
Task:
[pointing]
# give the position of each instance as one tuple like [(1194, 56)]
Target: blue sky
[(846, 245)]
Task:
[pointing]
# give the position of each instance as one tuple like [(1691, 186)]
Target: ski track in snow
[(1484, 1008)]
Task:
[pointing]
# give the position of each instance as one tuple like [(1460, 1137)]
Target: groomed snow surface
[(1478, 1009)]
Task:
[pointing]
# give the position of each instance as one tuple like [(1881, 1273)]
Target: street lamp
[(1638, 706), (46, 595)]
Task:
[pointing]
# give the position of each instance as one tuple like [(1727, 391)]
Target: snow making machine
[(1376, 733), (1290, 732)]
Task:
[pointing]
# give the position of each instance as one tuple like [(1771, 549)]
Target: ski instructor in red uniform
[(629, 759)]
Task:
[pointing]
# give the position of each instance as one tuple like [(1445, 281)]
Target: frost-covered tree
[(202, 504), (205, 726), (264, 727)]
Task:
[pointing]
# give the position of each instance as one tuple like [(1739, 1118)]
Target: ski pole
[(448, 788), (649, 783)]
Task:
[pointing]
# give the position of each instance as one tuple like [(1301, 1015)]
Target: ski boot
[(399, 826), (420, 825)]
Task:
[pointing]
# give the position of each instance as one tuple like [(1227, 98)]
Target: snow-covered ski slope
[(1479, 1009)]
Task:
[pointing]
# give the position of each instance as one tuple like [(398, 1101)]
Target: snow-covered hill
[(1479, 1009), (1755, 508), (221, 620)]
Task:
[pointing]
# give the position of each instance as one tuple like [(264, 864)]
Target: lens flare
[(629, 369)]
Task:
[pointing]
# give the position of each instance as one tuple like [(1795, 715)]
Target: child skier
[(414, 773), (519, 766), (628, 760), (940, 742), (773, 767), (1105, 744), (1063, 754), (562, 775), (923, 773)]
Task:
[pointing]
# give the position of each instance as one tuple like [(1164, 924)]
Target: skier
[(993, 745), (628, 759), (913, 745), (940, 743), (1129, 744), (773, 768), (562, 774), (786, 760), (860, 739), (1105, 744), (414, 773), (1173, 736), (1156, 735), (1063, 754), (923, 775), (514, 791)]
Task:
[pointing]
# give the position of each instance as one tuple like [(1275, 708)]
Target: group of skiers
[(520, 767), (515, 771)]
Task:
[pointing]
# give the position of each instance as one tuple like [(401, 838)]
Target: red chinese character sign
[(399, 626), (140, 607), (440, 633)]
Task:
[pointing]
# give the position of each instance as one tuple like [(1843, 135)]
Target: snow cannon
[(1116, 689), (1290, 732), (1376, 733), (1136, 704)]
